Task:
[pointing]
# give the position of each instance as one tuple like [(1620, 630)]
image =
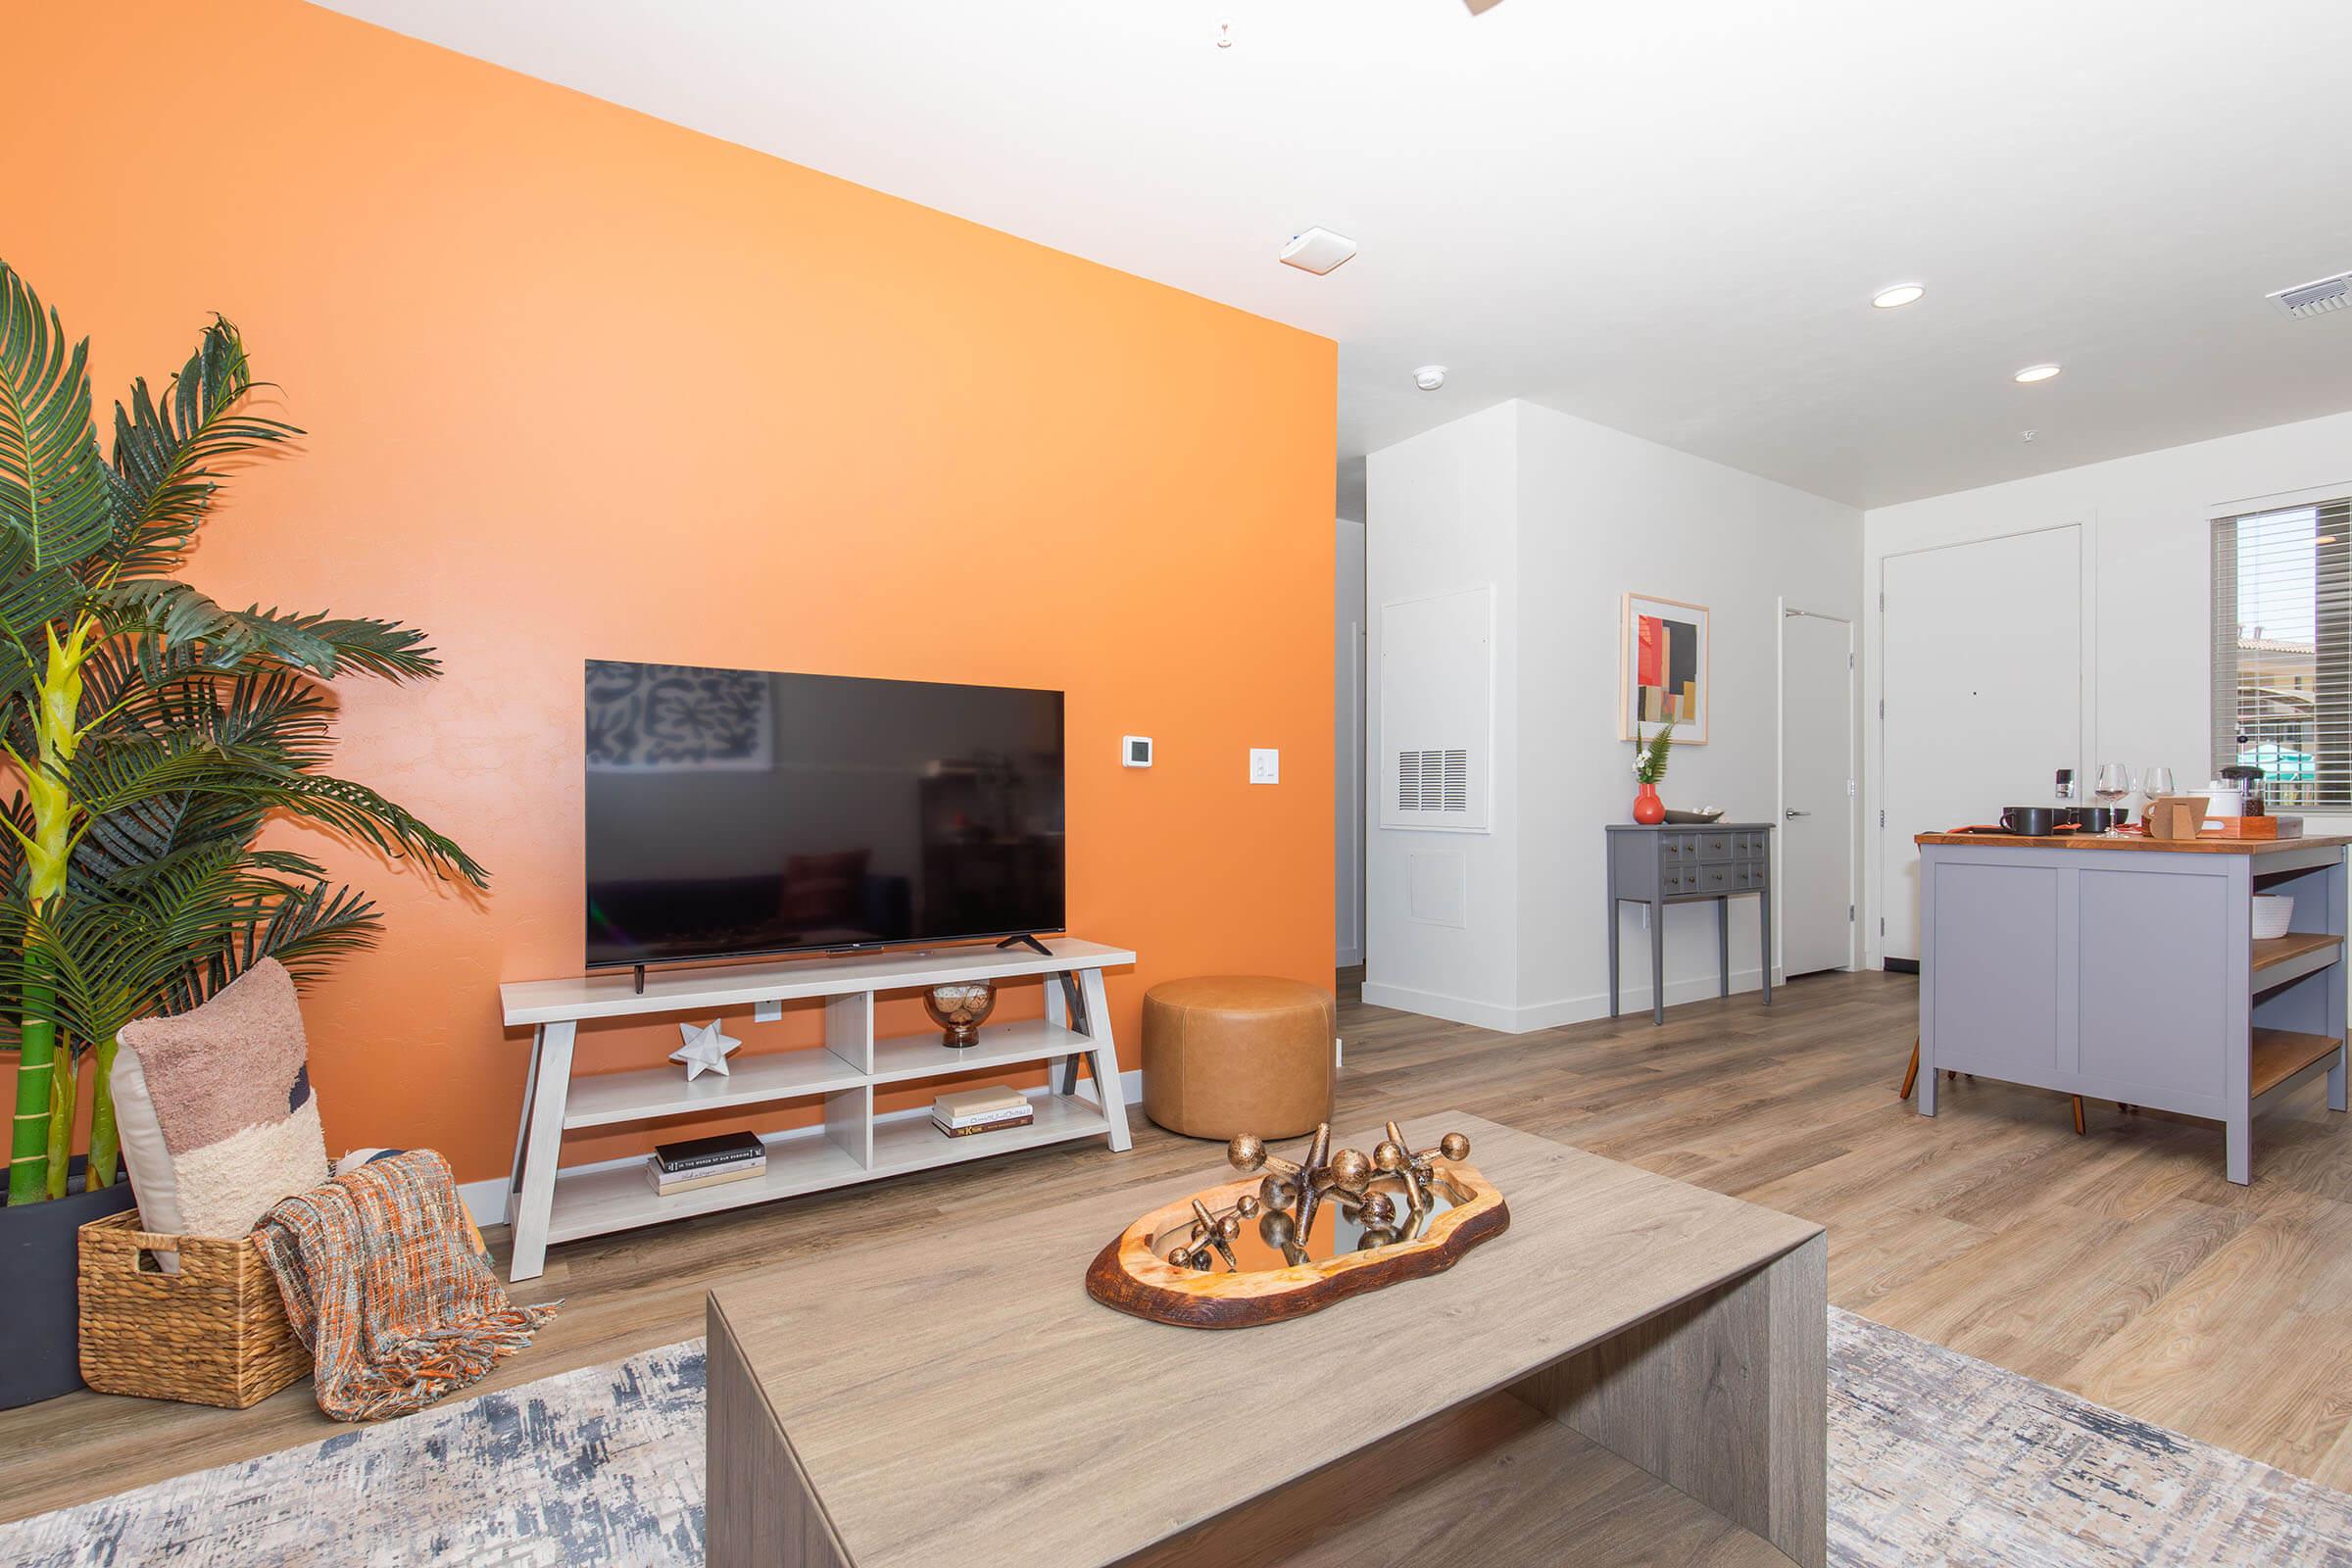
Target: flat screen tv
[(739, 811)]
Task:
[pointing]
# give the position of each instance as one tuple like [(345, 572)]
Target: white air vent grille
[(2316, 299), (1434, 781)]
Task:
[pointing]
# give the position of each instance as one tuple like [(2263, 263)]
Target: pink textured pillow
[(215, 1109)]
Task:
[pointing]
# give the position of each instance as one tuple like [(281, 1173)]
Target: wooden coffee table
[(1636, 1371)]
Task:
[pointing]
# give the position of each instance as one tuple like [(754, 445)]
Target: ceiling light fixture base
[(1317, 251)]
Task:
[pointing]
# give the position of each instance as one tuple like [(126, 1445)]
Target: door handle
[(1793, 812)]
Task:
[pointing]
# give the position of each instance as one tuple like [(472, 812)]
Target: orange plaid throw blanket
[(381, 1280)]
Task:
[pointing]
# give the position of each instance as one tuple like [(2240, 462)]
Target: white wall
[(1348, 626), (1583, 514), (2147, 595), (1444, 516)]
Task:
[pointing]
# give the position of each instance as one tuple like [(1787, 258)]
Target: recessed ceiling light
[(2037, 373), (1896, 297), (1430, 377)]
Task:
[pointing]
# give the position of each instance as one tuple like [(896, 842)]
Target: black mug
[(2028, 821)]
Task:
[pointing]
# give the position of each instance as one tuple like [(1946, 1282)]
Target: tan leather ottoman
[(1238, 1053)]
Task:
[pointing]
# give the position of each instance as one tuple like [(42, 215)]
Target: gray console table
[(2125, 969), (1676, 864)]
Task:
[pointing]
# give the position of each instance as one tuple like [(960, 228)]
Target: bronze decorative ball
[(1200, 1259), (1278, 1191), (1389, 1157), (1376, 1238), (1377, 1211), (1349, 1170), (1276, 1228), (1180, 1256), (1229, 1226), (1455, 1147), (1247, 1152), (1246, 1206)]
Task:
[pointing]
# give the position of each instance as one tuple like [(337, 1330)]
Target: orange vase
[(1649, 809)]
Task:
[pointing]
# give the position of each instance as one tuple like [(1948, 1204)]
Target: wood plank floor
[(2121, 1265)]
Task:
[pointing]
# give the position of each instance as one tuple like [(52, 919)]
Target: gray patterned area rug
[(1934, 1458)]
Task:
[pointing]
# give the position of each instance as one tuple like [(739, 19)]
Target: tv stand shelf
[(547, 1205)]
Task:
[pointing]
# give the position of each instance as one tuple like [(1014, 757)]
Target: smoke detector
[(2316, 299), (1430, 377), (1317, 251)]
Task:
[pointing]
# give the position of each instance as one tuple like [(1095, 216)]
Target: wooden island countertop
[(2139, 841)]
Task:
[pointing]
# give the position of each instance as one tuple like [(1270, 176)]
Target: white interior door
[(1983, 663), (1816, 872)]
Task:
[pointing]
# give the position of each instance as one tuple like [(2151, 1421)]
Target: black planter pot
[(40, 1327)]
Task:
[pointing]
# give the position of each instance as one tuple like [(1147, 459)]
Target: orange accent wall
[(582, 383)]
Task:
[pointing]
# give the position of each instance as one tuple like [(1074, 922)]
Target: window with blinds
[(2283, 652)]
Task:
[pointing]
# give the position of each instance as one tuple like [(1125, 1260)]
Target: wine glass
[(2156, 783), (2114, 784)]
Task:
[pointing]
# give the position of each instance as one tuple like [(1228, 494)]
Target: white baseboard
[(1438, 1005), (486, 1200), (1529, 1017)]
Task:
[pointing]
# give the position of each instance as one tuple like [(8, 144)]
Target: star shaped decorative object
[(703, 1048)]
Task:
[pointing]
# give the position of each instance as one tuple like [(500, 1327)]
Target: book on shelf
[(666, 1185), (707, 1153), (995, 1125), (968, 1107)]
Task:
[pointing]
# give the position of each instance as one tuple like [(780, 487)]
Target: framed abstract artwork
[(1662, 670)]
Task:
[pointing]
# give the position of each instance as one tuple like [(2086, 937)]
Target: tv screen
[(735, 812)]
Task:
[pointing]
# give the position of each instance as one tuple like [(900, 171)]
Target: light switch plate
[(767, 1012), (1135, 751), (1265, 764)]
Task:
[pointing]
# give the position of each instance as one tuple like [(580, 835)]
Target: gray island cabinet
[(2125, 969)]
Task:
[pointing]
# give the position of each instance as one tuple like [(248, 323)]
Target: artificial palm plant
[(153, 732)]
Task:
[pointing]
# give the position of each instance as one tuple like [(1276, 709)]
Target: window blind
[(2283, 652)]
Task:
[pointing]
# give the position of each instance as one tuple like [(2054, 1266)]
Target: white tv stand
[(546, 1204)]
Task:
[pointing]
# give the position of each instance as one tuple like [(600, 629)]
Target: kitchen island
[(2122, 967)]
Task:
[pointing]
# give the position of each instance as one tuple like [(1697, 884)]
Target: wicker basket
[(214, 1333)]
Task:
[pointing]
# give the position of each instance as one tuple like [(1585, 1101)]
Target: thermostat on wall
[(1135, 751)]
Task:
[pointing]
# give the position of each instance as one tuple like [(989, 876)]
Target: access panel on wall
[(1436, 711)]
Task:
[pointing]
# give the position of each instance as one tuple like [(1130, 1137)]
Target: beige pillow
[(215, 1111)]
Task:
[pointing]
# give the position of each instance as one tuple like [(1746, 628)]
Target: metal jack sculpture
[(1292, 1190), (1399, 1214)]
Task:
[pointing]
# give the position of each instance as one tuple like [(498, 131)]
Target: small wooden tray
[(1130, 1276), (2241, 827)]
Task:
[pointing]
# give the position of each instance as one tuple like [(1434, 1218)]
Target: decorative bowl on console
[(1290, 1238), (960, 1009)]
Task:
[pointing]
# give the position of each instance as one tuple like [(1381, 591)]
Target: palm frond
[(54, 498), (305, 928), (326, 646), (165, 452), (358, 812)]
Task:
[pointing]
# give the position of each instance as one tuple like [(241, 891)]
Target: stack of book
[(681, 1167), (981, 1110)]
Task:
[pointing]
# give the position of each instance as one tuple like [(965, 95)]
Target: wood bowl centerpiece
[(1289, 1238)]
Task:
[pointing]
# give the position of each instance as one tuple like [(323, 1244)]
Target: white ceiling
[(1668, 218)]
